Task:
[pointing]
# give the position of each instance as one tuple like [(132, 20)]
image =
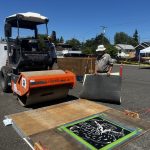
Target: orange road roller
[(41, 86)]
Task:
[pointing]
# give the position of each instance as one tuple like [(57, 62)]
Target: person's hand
[(108, 73)]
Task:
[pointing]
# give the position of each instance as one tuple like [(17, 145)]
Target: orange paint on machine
[(23, 84)]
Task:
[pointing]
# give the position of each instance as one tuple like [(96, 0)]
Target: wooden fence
[(79, 66)]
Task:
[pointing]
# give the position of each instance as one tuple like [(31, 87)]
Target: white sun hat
[(100, 48)]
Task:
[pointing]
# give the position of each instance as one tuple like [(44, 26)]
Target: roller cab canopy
[(27, 20)]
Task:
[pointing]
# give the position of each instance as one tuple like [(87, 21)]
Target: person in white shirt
[(52, 52), (103, 62)]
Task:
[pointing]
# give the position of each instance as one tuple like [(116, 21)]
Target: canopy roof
[(146, 50), (26, 20)]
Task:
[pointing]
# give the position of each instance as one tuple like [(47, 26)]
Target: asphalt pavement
[(135, 97)]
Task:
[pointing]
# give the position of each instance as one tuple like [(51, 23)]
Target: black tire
[(5, 79)]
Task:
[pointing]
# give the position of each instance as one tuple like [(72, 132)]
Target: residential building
[(125, 51), (141, 46)]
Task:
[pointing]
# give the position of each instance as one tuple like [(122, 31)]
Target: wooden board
[(51, 138), (35, 121), (77, 65), (42, 124), (54, 140)]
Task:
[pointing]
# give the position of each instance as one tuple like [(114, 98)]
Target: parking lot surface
[(135, 97)]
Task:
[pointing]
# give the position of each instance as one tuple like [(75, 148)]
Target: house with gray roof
[(125, 50), (141, 46)]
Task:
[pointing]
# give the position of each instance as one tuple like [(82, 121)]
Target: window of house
[(5, 47)]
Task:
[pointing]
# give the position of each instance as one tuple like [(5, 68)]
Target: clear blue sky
[(82, 19)]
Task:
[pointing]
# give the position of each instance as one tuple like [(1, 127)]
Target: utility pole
[(103, 33), (103, 29)]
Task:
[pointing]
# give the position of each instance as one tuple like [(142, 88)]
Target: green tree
[(135, 38), (121, 38), (57, 41), (101, 39), (61, 40), (90, 46), (112, 50), (53, 36), (74, 43), (41, 38), (132, 42)]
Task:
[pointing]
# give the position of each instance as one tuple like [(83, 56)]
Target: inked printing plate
[(99, 133)]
